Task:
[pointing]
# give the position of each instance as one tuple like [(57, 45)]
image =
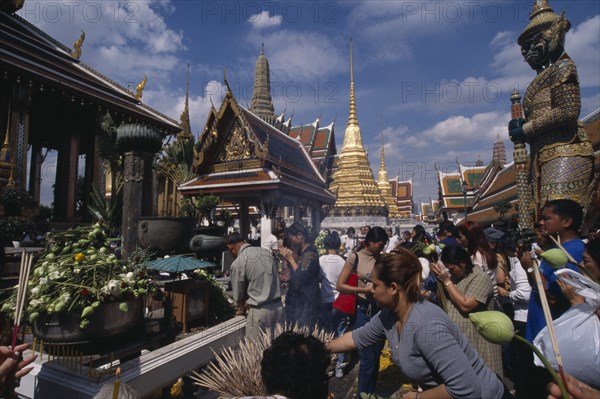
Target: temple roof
[(451, 185), (501, 188), (240, 152), (27, 51)]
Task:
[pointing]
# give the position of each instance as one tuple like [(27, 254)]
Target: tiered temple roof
[(239, 153), (320, 144), (451, 190)]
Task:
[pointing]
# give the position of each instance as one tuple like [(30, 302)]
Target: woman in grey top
[(427, 346)]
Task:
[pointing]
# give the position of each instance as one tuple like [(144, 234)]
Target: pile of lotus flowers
[(78, 272)]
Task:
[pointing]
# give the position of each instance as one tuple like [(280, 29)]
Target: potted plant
[(79, 289)]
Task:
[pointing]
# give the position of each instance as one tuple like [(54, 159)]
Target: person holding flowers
[(427, 346), (467, 289), (561, 219)]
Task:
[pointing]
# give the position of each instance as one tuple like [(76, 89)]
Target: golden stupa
[(353, 183), (384, 187)]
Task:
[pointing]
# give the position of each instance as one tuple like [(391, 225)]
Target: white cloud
[(172, 103), (583, 45), (503, 39), (459, 130), (264, 20), (123, 40), (295, 55)]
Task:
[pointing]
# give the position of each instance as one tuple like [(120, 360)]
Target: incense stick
[(548, 317), (25, 267)]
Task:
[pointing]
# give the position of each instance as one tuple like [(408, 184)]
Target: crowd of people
[(416, 289)]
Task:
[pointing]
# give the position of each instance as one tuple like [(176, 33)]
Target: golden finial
[(11, 181), (228, 93), (382, 162), (77, 46), (515, 95), (186, 128), (139, 89), (352, 119)]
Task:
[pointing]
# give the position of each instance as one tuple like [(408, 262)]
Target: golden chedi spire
[(353, 182), (384, 187), (186, 127)]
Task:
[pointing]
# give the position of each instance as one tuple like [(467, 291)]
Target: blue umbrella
[(179, 263)]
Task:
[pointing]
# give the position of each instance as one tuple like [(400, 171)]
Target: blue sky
[(435, 76)]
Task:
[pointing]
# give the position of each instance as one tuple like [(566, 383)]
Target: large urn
[(165, 235), (107, 321)]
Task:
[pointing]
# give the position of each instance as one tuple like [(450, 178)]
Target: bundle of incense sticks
[(25, 268)]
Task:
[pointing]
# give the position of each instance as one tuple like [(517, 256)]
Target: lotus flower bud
[(555, 257), (87, 311), (123, 307), (33, 316), (494, 326)]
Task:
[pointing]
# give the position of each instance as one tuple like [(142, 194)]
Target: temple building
[(348, 176), (428, 211), (496, 183), (357, 193), (248, 162), (53, 102), (402, 193), (457, 190)]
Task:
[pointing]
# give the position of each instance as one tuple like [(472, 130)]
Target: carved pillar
[(244, 218), (315, 216), (140, 143), (147, 185), (17, 134), (268, 209), (133, 176), (35, 172), (72, 169), (297, 211)]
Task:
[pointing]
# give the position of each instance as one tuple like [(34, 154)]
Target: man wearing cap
[(255, 284), (493, 235)]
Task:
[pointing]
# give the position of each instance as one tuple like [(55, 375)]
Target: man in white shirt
[(393, 242)]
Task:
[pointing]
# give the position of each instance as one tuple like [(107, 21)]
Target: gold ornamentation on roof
[(186, 128), (238, 146), (77, 46), (139, 89)]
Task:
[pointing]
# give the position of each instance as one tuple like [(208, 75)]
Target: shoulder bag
[(346, 302)]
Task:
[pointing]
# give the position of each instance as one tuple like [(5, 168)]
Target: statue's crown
[(541, 19)]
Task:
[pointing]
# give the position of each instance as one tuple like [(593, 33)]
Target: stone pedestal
[(343, 222)]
